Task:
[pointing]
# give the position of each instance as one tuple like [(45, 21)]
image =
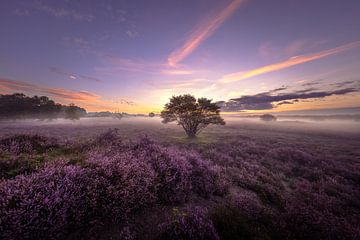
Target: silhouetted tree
[(72, 112), (268, 117), (17, 106), (118, 115), (151, 114), (193, 115)]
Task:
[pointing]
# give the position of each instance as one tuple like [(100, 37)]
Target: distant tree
[(151, 114), (72, 113), (118, 115), (193, 115), (268, 118), (20, 106)]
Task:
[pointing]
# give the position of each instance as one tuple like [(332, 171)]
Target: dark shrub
[(191, 224), (242, 218), (13, 165), (287, 154), (268, 118), (18, 144)]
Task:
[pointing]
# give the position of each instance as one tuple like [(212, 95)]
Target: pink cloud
[(295, 60), (202, 32)]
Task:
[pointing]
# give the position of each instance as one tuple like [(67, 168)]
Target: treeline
[(20, 106)]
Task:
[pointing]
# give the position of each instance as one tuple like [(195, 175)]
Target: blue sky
[(133, 55)]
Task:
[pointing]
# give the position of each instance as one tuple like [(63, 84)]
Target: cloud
[(279, 89), (235, 106), (345, 83), (308, 84), (73, 76), (83, 98), (115, 64), (10, 85), (22, 12), (116, 14), (268, 49), (284, 102), (297, 46), (177, 72), (233, 77), (77, 41), (264, 101), (132, 34), (64, 13), (184, 84), (13, 86), (202, 32), (70, 95)]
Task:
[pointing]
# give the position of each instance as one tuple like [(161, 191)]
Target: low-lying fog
[(143, 125)]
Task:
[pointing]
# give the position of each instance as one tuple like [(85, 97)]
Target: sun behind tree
[(193, 115)]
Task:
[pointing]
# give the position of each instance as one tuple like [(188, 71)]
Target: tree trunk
[(190, 133)]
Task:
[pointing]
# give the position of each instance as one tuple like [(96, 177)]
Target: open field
[(146, 180)]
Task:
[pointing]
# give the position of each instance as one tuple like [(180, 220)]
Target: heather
[(116, 180), (241, 182)]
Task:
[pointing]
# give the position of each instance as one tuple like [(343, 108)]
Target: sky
[(132, 56)]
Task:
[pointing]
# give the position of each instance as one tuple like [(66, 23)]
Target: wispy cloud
[(298, 46), (73, 76), (202, 32), (22, 12), (119, 15), (83, 98), (346, 83), (269, 49), (177, 72), (183, 84), (77, 41), (233, 77), (132, 34), (64, 12), (115, 64), (68, 95)]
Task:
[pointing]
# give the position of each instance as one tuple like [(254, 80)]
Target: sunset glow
[(119, 56)]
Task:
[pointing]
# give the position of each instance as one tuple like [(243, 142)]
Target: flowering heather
[(253, 185), (18, 144), (48, 203), (61, 197)]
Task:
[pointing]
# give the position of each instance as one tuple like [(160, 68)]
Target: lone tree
[(151, 114), (192, 115)]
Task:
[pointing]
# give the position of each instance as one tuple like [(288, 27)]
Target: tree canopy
[(18, 105), (192, 114)]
